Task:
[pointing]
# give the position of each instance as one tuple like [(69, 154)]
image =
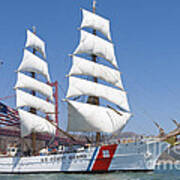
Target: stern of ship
[(153, 151)]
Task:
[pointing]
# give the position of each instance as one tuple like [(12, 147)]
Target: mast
[(31, 121), (92, 99), (33, 110), (92, 116)]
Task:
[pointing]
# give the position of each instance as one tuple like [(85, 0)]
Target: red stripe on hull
[(104, 157)]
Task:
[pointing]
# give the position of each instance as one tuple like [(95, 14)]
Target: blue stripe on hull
[(94, 154)]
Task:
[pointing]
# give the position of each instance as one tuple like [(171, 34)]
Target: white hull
[(131, 156)]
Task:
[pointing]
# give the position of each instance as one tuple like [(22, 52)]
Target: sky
[(146, 35)]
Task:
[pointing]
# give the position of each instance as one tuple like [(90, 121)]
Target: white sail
[(27, 82), (33, 123), (94, 21), (81, 66), (91, 118), (25, 99), (78, 87), (92, 44), (35, 42), (87, 117), (32, 63)]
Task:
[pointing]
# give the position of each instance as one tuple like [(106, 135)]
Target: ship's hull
[(135, 156)]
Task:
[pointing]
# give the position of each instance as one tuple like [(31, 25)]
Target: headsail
[(87, 117), (31, 63)]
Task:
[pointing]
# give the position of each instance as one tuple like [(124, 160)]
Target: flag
[(8, 116)]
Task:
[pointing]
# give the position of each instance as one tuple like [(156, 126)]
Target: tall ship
[(97, 103)]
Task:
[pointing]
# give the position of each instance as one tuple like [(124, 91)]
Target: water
[(109, 176)]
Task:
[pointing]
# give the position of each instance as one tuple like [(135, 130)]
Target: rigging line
[(62, 89), (68, 67), (62, 103), (171, 92), (7, 97), (144, 111), (51, 140), (143, 90), (157, 81), (62, 112), (62, 131), (146, 90), (146, 114)]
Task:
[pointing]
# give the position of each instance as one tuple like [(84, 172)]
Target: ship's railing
[(129, 140)]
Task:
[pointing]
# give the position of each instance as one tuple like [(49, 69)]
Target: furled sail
[(35, 42), (81, 66), (91, 118), (94, 21), (79, 87), (24, 81), (92, 44), (33, 123), (32, 65)]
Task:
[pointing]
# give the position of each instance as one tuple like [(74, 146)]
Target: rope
[(140, 126), (7, 97)]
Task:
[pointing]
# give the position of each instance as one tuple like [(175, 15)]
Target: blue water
[(110, 176)]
